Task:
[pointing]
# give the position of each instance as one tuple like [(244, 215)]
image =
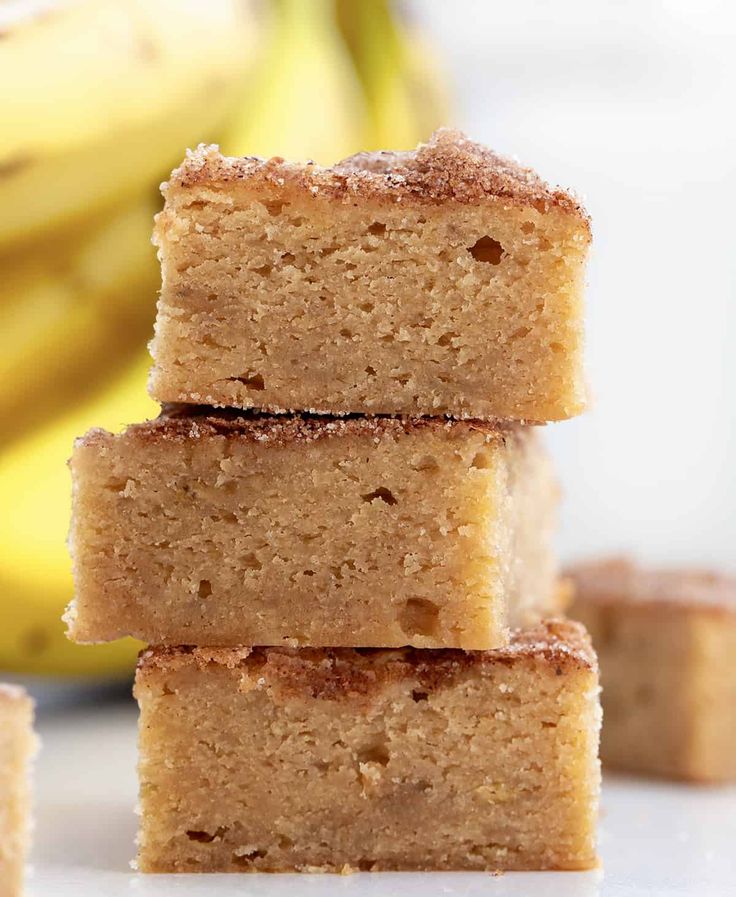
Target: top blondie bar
[(443, 281)]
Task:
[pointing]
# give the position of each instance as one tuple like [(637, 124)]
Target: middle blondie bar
[(217, 528)]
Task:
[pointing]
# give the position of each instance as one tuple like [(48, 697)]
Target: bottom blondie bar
[(666, 641), (17, 744), (319, 759)]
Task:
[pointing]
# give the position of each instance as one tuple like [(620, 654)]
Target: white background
[(633, 104)]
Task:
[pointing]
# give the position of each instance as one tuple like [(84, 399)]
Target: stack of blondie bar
[(337, 537)]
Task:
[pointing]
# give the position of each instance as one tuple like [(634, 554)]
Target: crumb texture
[(318, 760), (447, 281), (216, 529)]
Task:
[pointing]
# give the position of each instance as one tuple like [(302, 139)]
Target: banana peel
[(71, 310), (35, 570), (404, 101), (304, 100), (424, 75)]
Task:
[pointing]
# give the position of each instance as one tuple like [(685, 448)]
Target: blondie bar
[(17, 745), (278, 759), (445, 281), (666, 641), (228, 529)]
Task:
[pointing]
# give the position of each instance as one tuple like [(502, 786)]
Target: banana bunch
[(106, 96)]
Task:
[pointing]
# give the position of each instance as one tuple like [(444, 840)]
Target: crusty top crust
[(621, 581), (449, 168), (180, 423), (334, 673)]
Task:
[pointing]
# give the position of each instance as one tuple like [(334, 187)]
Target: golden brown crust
[(334, 673), (621, 581), (449, 168), (188, 422)]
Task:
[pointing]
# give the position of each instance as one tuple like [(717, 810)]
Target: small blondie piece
[(334, 760), (220, 529), (17, 746), (444, 281), (666, 641)]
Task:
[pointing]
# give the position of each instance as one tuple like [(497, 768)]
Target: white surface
[(630, 103), (656, 839)]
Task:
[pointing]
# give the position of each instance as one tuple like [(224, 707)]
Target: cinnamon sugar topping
[(450, 167)]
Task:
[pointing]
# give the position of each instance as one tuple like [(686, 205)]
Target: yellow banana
[(369, 31), (70, 309), (424, 75), (101, 97), (404, 106), (304, 100), (35, 578)]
